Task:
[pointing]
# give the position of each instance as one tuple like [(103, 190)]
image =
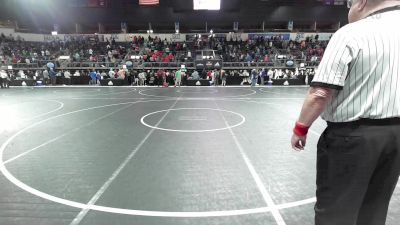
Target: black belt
[(368, 122)]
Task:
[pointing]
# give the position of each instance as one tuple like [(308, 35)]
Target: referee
[(357, 91)]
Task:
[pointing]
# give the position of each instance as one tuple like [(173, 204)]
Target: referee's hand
[(298, 143)]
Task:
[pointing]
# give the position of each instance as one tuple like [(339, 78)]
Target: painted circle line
[(60, 106), (158, 96), (79, 205), (115, 93), (193, 131), (102, 94), (68, 91), (198, 92)]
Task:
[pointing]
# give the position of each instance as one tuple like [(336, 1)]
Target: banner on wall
[(124, 27), (50, 38), (67, 37), (209, 64), (304, 36), (220, 36), (86, 37), (56, 27), (290, 25), (235, 26), (178, 38), (130, 37), (237, 36), (282, 36)]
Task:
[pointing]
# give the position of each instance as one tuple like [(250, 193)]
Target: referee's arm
[(331, 76), (314, 105)]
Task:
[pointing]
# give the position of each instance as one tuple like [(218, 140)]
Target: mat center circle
[(212, 91), (193, 120)]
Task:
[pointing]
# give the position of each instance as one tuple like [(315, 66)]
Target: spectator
[(4, 79), (178, 78), (111, 74), (195, 76), (210, 75), (93, 77), (142, 78), (160, 77), (270, 74), (121, 74), (254, 77), (21, 74), (45, 76), (1, 77), (263, 75), (245, 76), (169, 77), (223, 77), (52, 75), (37, 75), (135, 77), (98, 77), (216, 77), (103, 75), (204, 74), (67, 78)]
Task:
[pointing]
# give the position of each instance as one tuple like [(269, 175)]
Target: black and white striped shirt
[(362, 61)]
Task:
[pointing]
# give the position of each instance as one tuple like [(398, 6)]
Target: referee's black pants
[(358, 166)]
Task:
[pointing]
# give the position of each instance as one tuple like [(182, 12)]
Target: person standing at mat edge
[(178, 78), (357, 91)]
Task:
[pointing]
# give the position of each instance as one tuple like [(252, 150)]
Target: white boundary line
[(160, 96), (4, 145), (222, 213), (192, 131), (295, 204), (268, 103), (273, 92), (65, 134), (261, 187), (55, 110), (185, 98), (107, 184)]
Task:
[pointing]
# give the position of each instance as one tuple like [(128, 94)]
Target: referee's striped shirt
[(362, 61)]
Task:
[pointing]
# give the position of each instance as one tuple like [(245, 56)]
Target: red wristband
[(300, 130)]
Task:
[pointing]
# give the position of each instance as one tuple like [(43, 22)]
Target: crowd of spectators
[(154, 49), (156, 77), (14, 50), (272, 49)]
